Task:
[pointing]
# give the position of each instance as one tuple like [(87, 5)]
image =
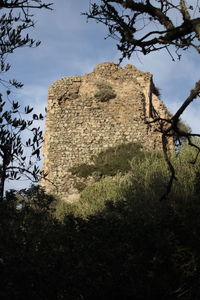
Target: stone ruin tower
[(87, 114)]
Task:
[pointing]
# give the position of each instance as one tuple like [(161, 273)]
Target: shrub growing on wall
[(105, 92)]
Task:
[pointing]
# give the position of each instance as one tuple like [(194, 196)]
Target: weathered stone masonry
[(79, 125)]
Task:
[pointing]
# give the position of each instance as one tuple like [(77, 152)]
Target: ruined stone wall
[(79, 124)]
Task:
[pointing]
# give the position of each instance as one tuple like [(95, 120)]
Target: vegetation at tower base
[(145, 178), (118, 241)]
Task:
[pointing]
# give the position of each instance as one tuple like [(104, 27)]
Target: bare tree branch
[(124, 24), (169, 128), (170, 166), (193, 94)]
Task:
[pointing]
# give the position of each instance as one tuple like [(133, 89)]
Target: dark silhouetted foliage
[(16, 18), (134, 248)]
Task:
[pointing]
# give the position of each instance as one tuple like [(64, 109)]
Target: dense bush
[(141, 179), (93, 199), (118, 242)]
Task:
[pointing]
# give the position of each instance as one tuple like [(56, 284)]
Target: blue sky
[(71, 46)]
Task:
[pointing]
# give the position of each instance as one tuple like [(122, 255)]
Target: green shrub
[(93, 199), (142, 180), (156, 244), (63, 209), (187, 172), (95, 196), (148, 179), (118, 241)]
